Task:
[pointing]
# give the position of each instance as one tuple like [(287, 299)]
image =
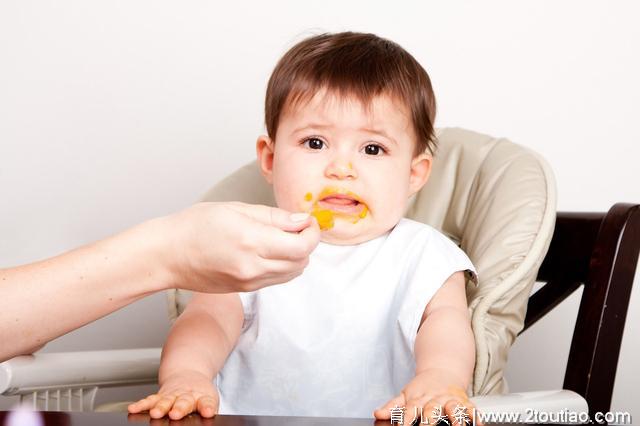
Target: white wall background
[(118, 111)]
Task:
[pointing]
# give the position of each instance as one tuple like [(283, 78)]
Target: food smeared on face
[(336, 203), (324, 218)]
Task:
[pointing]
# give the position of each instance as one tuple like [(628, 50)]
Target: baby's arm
[(445, 357), (196, 349), (445, 344)]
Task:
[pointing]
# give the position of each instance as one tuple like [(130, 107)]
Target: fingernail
[(299, 217)]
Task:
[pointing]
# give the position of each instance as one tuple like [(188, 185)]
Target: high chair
[(497, 200)]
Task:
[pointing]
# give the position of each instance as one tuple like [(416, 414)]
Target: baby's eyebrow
[(312, 125), (380, 132)]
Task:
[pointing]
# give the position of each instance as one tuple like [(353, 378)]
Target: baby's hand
[(430, 397), (179, 395)]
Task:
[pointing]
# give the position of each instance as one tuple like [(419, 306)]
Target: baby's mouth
[(336, 203), (342, 203)]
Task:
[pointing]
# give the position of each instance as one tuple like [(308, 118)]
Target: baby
[(378, 321)]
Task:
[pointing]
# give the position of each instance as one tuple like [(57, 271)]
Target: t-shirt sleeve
[(440, 258)]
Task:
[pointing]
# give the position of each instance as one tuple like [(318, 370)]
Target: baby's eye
[(313, 143), (372, 149)]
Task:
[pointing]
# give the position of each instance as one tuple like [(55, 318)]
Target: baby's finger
[(433, 411), (472, 412), (143, 404), (457, 411), (412, 414), (207, 406), (384, 412), (470, 409), (162, 407), (184, 405), (415, 410)]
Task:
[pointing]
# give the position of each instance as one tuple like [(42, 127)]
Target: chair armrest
[(522, 407), (94, 369), (48, 371)]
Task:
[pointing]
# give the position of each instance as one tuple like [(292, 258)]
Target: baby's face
[(353, 170)]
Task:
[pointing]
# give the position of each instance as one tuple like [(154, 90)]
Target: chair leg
[(595, 347)]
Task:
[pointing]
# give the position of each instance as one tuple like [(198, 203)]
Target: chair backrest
[(599, 251), (494, 198)]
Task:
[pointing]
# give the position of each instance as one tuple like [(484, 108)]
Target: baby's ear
[(420, 171), (264, 151)]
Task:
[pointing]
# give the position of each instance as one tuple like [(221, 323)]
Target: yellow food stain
[(325, 217)]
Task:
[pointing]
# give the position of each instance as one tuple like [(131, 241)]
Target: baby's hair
[(353, 64)]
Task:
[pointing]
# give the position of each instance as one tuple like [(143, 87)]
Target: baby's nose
[(341, 170)]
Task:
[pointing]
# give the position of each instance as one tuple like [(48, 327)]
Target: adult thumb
[(291, 222), (273, 216)]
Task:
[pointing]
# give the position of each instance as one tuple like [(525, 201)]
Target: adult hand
[(209, 247), (234, 247)]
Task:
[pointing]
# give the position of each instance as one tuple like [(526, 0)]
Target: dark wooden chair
[(599, 251)]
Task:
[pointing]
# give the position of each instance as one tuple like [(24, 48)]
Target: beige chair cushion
[(496, 200)]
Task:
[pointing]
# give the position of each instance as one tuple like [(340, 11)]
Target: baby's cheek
[(388, 214), (287, 198)]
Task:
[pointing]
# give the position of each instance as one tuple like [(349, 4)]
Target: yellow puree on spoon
[(325, 217)]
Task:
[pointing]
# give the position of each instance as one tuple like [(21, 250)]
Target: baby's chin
[(344, 233)]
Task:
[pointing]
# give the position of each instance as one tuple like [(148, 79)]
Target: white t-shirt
[(338, 340)]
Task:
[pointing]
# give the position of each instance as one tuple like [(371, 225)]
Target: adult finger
[(312, 233), (272, 243), (277, 268), (272, 279), (273, 216)]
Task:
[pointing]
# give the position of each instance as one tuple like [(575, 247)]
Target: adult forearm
[(209, 247), (47, 299), (445, 343)]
